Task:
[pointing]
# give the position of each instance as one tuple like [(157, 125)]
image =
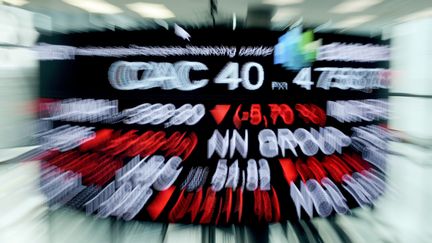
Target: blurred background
[(404, 215)]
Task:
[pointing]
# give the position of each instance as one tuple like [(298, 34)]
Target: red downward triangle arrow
[(219, 112)]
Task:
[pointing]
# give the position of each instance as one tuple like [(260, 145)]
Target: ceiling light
[(234, 21), (282, 2), (162, 23), (16, 2), (151, 10), (417, 15), (352, 6), (353, 21), (284, 14), (323, 27), (95, 6)]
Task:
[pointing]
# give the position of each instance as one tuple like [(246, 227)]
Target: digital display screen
[(243, 127)]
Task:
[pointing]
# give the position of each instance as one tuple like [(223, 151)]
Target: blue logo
[(295, 49)]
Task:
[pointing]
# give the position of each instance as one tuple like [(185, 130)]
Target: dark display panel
[(211, 130)]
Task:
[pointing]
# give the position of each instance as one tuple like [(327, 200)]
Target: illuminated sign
[(254, 127)]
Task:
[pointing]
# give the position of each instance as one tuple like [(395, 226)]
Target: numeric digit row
[(106, 111), (133, 185), (345, 78), (167, 114), (358, 110), (309, 113), (65, 137), (230, 177)]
